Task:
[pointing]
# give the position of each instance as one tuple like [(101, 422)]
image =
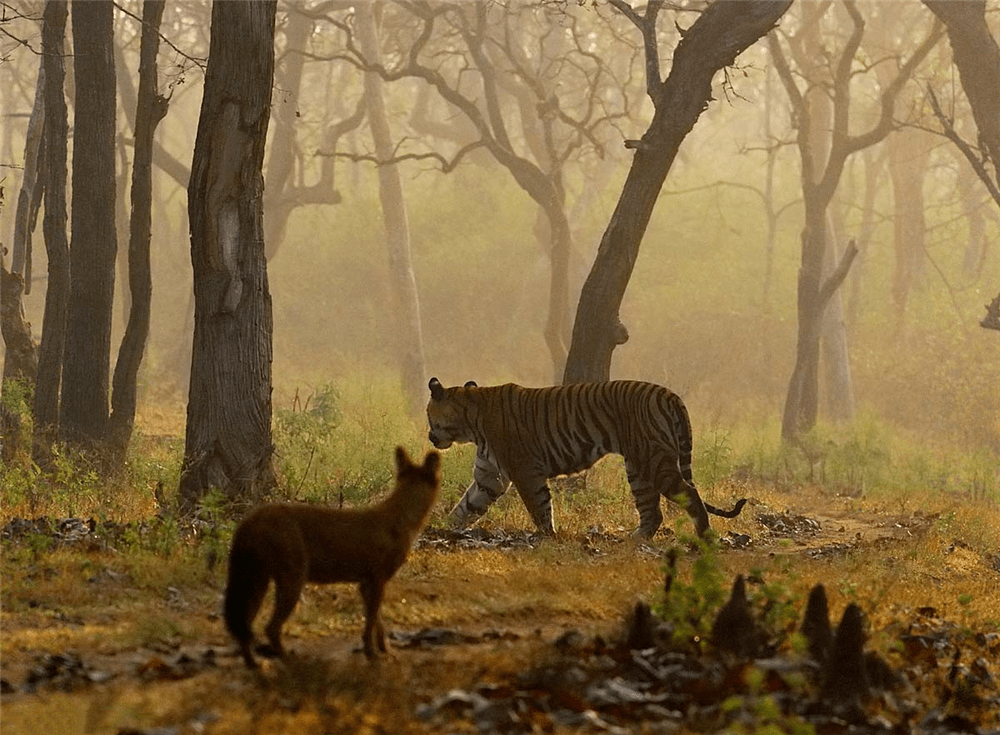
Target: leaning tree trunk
[(151, 107), (228, 438), (45, 409), (21, 359), (977, 55), (403, 284), (721, 34), (85, 377)]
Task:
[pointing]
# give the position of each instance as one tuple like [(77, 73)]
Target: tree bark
[(85, 377), (403, 284), (977, 56), (722, 32), (45, 408), (151, 108), (228, 438), (20, 360)]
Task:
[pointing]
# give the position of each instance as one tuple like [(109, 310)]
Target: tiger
[(525, 436)]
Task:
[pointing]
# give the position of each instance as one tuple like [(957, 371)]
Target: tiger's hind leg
[(647, 501), (677, 489)]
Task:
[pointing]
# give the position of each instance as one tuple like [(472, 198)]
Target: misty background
[(711, 307)]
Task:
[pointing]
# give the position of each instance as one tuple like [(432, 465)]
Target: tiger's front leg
[(537, 498), (487, 487)]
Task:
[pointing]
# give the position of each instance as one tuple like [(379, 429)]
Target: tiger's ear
[(471, 384), (437, 390)]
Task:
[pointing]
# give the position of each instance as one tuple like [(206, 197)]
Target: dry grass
[(155, 597)]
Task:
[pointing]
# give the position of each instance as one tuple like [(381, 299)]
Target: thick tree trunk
[(45, 408), (228, 438), (719, 35), (402, 282), (151, 108), (85, 377)]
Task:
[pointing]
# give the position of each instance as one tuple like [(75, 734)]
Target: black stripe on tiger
[(524, 436)]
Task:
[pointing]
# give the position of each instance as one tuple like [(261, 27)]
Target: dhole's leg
[(647, 501), (374, 635), (287, 588), (254, 601)]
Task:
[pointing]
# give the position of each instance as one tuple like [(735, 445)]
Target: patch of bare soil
[(545, 673)]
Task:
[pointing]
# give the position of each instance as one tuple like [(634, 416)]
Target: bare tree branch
[(447, 165), (975, 161)]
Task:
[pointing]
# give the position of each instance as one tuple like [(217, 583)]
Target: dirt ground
[(500, 631)]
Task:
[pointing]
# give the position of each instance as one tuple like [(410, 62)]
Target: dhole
[(295, 544)]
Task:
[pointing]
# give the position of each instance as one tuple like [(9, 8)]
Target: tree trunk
[(85, 377), (820, 173), (909, 153), (45, 407), (719, 35), (977, 56), (151, 108), (279, 203), (29, 197), (21, 359), (403, 284), (838, 386), (228, 438)]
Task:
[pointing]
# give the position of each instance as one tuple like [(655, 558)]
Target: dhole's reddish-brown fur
[(295, 544)]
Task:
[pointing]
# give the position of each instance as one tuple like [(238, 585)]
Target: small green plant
[(714, 459), (689, 607)]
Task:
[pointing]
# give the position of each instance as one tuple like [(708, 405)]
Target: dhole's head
[(447, 415), (428, 473)]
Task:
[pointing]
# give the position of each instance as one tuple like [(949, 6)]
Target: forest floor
[(500, 631)]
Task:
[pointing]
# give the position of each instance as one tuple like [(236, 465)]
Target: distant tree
[(86, 370), (45, 407), (822, 160), (21, 356), (493, 81), (977, 57), (712, 43), (284, 187), (151, 108), (228, 435), (407, 330)]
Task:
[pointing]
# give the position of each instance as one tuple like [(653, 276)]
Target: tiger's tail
[(685, 448)]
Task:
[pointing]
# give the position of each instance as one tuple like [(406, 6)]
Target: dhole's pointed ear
[(437, 390), (432, 462), (402, 460), (471, 384)]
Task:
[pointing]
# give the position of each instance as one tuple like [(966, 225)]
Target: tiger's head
[(447, 415)]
